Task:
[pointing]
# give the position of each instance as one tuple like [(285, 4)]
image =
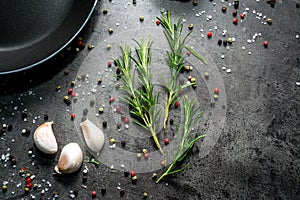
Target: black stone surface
[(255, 157)]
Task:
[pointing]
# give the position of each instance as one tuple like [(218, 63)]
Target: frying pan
[(33, 31)]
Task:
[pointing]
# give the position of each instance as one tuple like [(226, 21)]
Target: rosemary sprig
[(143, 102), (173, 33), (191, 116)]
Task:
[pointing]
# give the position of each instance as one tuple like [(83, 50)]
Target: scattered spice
[(110, 31), (142, 18)]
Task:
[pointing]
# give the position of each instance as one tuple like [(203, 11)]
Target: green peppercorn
[(191, 26), (108, 47), (195, 2), (110, 30), (224, 8), (134, 179), (269, 21), (105, 11), (99, 81), (26, 189), (90, 46), (142, 18), (73, 83), (229, 40), (101, 110), (58, 87), (4, 188), (154, 176), (145, 195)]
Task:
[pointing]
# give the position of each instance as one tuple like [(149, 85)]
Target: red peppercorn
[(166, 141), (266, 43), (109, 63), (80, 43), (94, 194), (29, 185), (72, 116), (157, 22), (112, 99), (188, 53), (74, 94), (177, 104), (28, 180), (216, 90), (132, 173), (242, 15), (235, 21), (126, 120), (209, 34), (146, 155), (118, 109), (70, 90)]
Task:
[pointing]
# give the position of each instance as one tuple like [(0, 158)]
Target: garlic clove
[(93, 136), (44, 138), (70, 160)]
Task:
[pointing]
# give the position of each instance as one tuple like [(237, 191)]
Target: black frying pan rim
[(55, 52)]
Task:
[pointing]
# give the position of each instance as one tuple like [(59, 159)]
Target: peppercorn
[(242, 15), (134, 179), (225, 43), (171, 121), (126, 120), (123, 143), (191, 26), (229, 40), (66, 72), (266, 43), (216, 96), (195, 2), (268, 1), (12, 159), (122, 192), (224, 8), (58, 87), (26, 190), (4, 188), (209, 34), (145, 195), (216, 90), (101, 110), (94, 194), (108, 47), (193, 79), (187, 68), (177, 104), (90, 47), (104, 124), (235, 21), (134, 2), (234, 13), (9, 128), (236, 4), (118, 70), (84, 179), (99, 81), (297, 5), (142, 18), (110, 30), (145, 151), (157, 22), (111, 99), (105, 11), (112, 140), (206, 75), (269, 21), (154, 176), (166, 141), (138, 155), (220, 42), (21, 171), (103, 190), (194, 86), (126, 173)]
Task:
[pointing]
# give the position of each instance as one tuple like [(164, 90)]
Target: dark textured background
[(257, 155)]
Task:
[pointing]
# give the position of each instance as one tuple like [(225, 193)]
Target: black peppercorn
[(236, 4), (171, 122), (122, 192), (126, 173), (118, 70), (104, 124), (103, 190), (234, 13), (297, 5), (123, 143), (46, 117), (9, 128), (225, 42), (24, 115), (219, 42), (84, 179)]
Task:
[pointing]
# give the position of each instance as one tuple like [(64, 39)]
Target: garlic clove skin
[(44, 138), (93, 136), (70, 160)]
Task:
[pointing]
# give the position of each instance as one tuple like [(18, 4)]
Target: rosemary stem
[(155, 138), (166, 173)]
